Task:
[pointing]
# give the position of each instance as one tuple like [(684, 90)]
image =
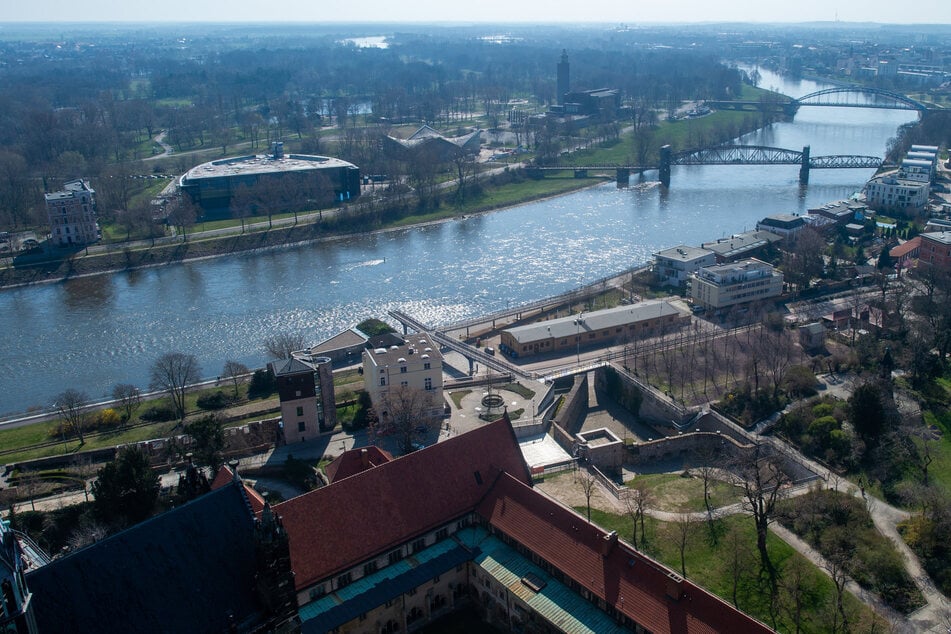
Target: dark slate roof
[(186, 570), (290, 366)]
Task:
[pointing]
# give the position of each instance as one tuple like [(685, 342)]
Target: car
[(490, 352)]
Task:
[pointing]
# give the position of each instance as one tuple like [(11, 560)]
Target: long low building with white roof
[(595, 329)]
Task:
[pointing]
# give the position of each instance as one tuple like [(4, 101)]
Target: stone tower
[(564, 83)]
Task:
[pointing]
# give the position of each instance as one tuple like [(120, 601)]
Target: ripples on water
[(93, 333)]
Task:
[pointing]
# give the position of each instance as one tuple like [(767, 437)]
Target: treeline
[(89, 106)]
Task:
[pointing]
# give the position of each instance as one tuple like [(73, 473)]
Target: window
[(369, 568), (301, 426), (316, 593), (343, 580), (395, 556), (382, 381), (300, 411), (428, 383), (402, 369), (404, 383), (442, 533), (419, 545), (427, 366)]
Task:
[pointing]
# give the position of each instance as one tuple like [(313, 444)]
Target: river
[(92, 333)]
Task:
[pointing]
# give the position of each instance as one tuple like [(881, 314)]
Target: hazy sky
[(611, 11)]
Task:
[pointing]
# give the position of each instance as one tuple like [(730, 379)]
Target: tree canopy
[(126, 488)]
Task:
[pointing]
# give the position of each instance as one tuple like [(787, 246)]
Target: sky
[(495, 11)]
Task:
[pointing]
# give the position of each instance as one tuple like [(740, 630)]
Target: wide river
[(92, 333)]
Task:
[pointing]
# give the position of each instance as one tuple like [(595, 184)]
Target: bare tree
[(281, 346), (72, 407), (88, 532), (128, 398), (797, 592), (588, 482), (738, 563), (684, 528), (172, 373), (401, 412), (234, 370), (763, 481), (706, 458), (636, 504), (29, 482)]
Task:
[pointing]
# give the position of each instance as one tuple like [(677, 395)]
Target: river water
[(92, 333)]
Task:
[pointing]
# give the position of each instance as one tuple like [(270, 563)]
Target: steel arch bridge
[(849, 97), (761, 155)]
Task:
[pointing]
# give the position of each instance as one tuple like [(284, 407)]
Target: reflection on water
[(93, 333)]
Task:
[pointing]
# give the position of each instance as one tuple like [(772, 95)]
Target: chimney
[(607, 543), (674, 586), (365, 458), (234, 470)]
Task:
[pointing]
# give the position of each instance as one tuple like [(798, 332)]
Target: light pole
[(578, 322)]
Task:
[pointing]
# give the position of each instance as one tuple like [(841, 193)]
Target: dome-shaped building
[(291, 181)]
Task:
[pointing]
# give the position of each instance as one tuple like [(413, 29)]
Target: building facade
[(592, 330), (891, 193), (459, 525), (72, 215), (306, 389), (736, 283), (415, 365), (935, 250), (674, 266), (216, 186)]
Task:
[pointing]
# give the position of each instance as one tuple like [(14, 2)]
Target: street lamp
[(578, 322)]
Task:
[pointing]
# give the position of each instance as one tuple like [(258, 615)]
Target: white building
[(916, 170), (674, 266), (735, 283), (72, 214), (890, 193), (417, 364)]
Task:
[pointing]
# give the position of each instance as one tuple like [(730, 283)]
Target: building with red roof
[(391, 547), (356, 461)]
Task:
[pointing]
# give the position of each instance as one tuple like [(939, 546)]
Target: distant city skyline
[(490, 11)]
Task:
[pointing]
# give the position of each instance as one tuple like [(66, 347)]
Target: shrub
[(214, 400), (262, 384), (108, 418), (158, 414)]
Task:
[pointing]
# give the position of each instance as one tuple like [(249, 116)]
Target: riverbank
[(205, 245)]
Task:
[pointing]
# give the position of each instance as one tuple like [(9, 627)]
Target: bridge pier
[(804, 168), (664, 169), (623, 177)]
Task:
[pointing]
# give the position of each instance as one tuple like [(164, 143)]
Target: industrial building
[(595, 329)]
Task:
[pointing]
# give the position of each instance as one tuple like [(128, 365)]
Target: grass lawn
[(940, 469), (458, 396), (673, 492), (709, 565)]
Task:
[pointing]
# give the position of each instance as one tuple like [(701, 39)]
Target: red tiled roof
[(904, 249), (351, 462), (369, 513), (625, 579), (224, 477)]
